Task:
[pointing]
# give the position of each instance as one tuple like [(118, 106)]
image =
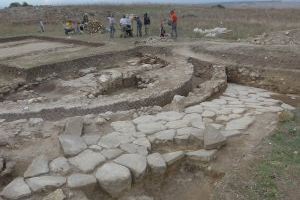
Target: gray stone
[(45, 182), (95, 148), (213, 139), (173, 157), (177, 124), (198, 124), (238, 110), (208, 113), (157, 163), (56, 195), (145, 119), (1, 164), (35, 121), (170, 116), (287, 107), (143, 141), (114, 178), (87, 161), (165, 136), (37, 167), (72, 144), (192, 117), (222, 118), (240, 124), (150, 128), (194, 109), (133, 148), (115, 139), (111, 153), (202, 155), (135, 162), (91, 139), (217, 126), (16, 189), (74, 126), (60, 165), (123, 127), (81, 180)]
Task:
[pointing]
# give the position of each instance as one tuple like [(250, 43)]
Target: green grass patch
[(281, 164)]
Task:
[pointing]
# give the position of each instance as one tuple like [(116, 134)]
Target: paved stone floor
[(148, 144)]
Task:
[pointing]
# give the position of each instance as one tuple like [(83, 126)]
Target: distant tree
[(25, 4), (218, 6), (14, 4)]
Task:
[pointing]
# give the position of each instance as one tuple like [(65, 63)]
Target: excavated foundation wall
[(278, 80)]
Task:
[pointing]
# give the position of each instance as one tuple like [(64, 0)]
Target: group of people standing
[(126, 23)]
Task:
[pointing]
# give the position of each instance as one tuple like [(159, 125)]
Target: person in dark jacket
[(147, 23), (139, 25)]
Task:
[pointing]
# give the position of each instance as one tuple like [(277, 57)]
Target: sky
[(5, 3)]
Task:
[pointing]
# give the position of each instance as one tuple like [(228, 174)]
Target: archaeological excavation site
[(171, 120)]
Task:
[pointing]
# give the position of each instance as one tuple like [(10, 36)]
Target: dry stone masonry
[(146, 145)]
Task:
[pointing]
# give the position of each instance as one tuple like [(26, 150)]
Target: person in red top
[(173, 19)]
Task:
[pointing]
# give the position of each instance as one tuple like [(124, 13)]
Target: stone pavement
[(148, 144)]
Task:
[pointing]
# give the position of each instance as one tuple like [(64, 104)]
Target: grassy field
[(244, 22)]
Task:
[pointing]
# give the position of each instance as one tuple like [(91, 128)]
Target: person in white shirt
[(112, 22)]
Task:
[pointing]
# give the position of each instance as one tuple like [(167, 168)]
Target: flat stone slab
[(87, 161), (91, 139), (157, 163), (170, 116), (165, 136), (136, 163), (16, 189), (115, 139), (202, 155), (150, 128), (38, 166), (177, 124), (60, 165), (240, 124), (74, 126), (213, 139), (81, 180), (114, 178), (133, 148), (173, 157), (123, 127), (72, 144), (111, 153), (37, 184), (231, 133), (194, 109), (143, 141), (145, 119), (208, 113)]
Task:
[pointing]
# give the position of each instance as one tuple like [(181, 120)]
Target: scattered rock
[(38, 167), (87, 160), (285, 116), (135, 162), (72, 144), (114, 178), (16, 189), (157, 163)]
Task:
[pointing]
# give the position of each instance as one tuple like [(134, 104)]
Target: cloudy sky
[(4, 3)]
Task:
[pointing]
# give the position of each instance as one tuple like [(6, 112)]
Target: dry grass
[(244, 22)]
